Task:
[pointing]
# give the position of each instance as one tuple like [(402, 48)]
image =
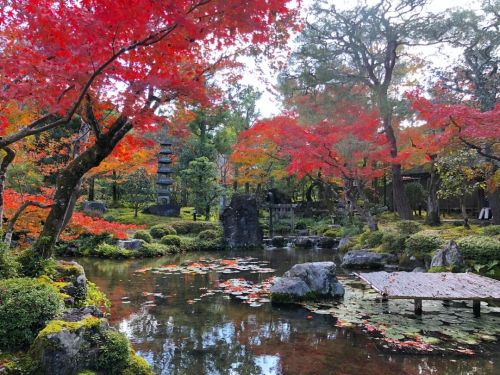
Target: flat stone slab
[(429, 286)]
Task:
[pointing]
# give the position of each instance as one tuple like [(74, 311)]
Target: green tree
[(460, 175), (201, 179), (138, 189)]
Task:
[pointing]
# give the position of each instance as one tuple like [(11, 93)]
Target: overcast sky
[(263, 78)]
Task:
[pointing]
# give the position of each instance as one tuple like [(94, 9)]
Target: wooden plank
[(433, 286)]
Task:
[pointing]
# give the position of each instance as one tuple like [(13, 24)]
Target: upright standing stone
[(241, 222)]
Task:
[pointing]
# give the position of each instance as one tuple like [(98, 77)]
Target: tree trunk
[(207, 213), (494, 201), (401, 201), (114, 190), (6, 161), (464, 213), (68, 179), (136, 211), (353, 193), (91, 181), (433, 218)]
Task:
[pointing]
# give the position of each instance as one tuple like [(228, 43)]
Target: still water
[(224, 336)]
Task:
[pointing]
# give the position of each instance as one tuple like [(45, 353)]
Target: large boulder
[(66, 347), (305, 242), (240, 221), (448, 256), (363, 259), (93, 207), (307, 280)]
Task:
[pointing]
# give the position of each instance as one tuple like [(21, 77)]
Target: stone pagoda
[(164, 179), (164, 205)]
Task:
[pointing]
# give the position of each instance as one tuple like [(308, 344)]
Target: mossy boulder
[(67, 347)]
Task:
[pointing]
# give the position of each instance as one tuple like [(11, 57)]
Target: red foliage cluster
[(349, 144), (82, 224)]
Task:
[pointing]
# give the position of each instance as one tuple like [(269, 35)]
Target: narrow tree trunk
[(6, 161), (401, 201), (68, 180), (207, 213), (247, 188), (494, 201), (136, 211), (464, 213), (114, 190), (91, 182), (432, 199), (353, 193)]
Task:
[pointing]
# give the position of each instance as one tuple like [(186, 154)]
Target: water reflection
[(221, 336)]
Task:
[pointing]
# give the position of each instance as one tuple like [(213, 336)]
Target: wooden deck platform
[(444, 286)]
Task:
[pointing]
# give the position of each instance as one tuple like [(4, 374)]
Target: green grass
[(126, 216)]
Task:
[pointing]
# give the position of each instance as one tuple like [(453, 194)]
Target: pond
[(179, 333)]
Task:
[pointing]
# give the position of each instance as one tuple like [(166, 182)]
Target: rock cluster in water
[(363, 259), (307, 280)]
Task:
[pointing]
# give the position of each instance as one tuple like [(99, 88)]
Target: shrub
[(301, 225), (352, 230), (161, 230), (8, 263), (113, 353), (137, 366), (193, 227), (106, 250), (333, 232), (371, 239), (171, 240), (408, 227), (393, 242), (95, 297), (34, 265), (479, 248), (423, 242), (143, 235), (208, 235), (26, 307), (491, 230), (195, 244), (155, 250)]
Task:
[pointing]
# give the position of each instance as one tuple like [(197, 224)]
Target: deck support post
[(476, 308), (418, 306)]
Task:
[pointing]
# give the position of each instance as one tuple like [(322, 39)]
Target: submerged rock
[(364, 259), (448, 256), (307, 281)]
